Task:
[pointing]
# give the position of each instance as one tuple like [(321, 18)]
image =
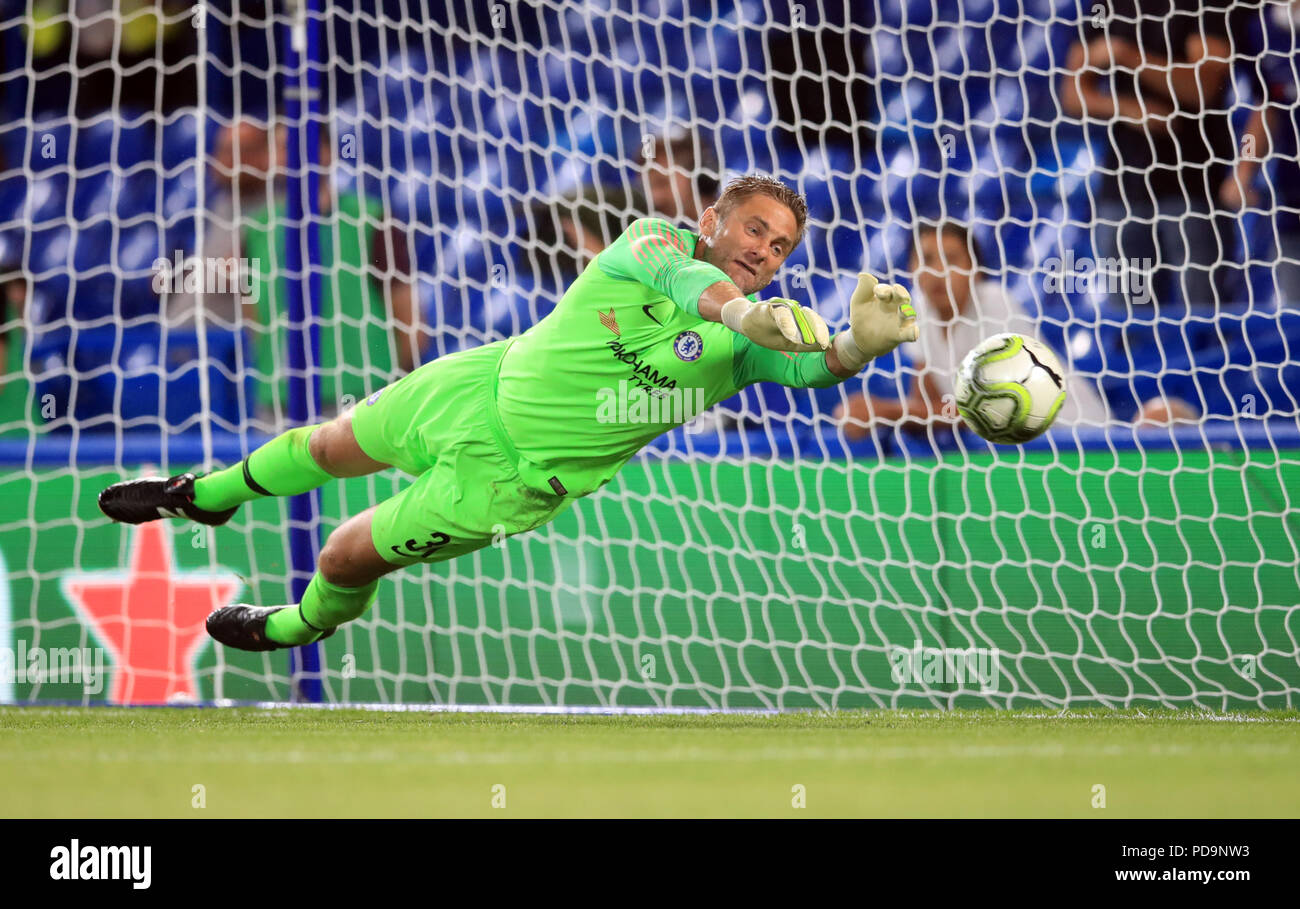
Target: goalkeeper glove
[(777, 324), (880, 318)]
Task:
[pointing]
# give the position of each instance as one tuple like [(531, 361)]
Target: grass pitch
[(71, 762)]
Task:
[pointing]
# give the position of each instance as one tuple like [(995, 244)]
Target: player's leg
[(341, 590), (416, 525), (431, 425), (292, 463), (459, 505)]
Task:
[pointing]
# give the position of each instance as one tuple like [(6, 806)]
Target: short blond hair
[(741, 188)]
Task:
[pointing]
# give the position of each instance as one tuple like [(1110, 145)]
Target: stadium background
[(463, 122)]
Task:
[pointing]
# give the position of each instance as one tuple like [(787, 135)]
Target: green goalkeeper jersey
[(626, 356)]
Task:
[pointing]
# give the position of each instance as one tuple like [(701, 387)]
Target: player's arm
[(654, 253), (880, 318), (806, 369), (816, 369)]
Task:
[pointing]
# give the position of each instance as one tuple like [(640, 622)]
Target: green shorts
[(439, 424)]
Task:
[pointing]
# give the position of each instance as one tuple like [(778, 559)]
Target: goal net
[(219, 220)]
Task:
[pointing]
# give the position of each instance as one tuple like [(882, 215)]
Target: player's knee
[(334, 448), (339, 565), (323, 448)]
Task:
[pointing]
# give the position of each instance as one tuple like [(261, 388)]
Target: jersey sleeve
[(659, 256), (754, 363)]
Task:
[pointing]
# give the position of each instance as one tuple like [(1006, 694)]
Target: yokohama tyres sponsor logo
[(643, 374)]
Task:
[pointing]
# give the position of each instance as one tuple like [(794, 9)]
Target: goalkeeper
[(503, 438)]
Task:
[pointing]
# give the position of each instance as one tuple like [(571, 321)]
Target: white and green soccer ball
[(1010, 388)]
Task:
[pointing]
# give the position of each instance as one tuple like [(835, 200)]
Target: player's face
[(751, 243), (944, 272)]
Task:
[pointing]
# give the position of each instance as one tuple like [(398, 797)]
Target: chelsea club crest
[(688, 346)]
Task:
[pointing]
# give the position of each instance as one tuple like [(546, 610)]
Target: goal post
[(302, 51), (767, 556)]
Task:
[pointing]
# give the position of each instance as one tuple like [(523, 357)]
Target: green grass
[(70, 762)]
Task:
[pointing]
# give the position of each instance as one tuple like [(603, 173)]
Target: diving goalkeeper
[(503, 438)]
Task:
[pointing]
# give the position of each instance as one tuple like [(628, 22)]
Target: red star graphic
[(150, 618)]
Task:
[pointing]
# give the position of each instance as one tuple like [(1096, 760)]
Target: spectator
[(566, 234), (577, 228), (1273, 136), (955, 310), (369, 334), (241, 172), (100, 55), (15, 408), (681, 179), (1158, 73), (817, 72)]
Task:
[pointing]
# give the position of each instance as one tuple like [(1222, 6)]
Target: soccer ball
[(1010, 388)]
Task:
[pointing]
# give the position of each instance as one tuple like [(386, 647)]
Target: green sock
[(282, 467), (324, 606)]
